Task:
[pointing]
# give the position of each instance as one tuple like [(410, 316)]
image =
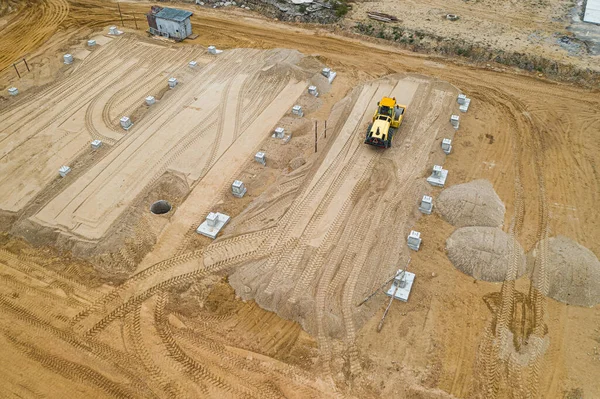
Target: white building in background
[(592, 12), (169, 22)]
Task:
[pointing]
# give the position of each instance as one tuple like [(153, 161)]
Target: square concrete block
[(68, 59), (150, 100), (13, 91), (465, 106), (192, 64), (96, 144), (297, 110), (461, 98), (438, 176), (64, 170), (455, 121), (447, 146), (312, 90), (279, 133), (238, 189), (213, 224), (261, 158), (426, 205), (172, 82), (126, 123), (213, 50), (414, 240), (402, 285), (91, 43)]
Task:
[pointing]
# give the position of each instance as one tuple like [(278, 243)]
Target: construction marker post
[(315, 136), (27, 66), (325, 132), (121, 15), (135, 22), (19, 75)]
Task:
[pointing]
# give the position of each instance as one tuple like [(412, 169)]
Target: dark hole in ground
[(160, 207)]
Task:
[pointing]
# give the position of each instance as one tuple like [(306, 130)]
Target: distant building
[(169, 22)]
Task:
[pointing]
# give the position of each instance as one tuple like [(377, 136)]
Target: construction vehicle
[(387, 119)]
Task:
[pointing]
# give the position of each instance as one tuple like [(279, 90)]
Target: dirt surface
[(531, 27), (170, 326)]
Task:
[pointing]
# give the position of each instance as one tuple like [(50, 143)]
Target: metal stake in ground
[(380, 326), (315, 136), (325, 132), (135, 21), (121, 15), (28, 70), (18, 74)]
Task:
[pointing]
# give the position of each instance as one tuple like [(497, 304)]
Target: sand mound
[(297, 162), (572, 272), (483, 252), (471, 204)]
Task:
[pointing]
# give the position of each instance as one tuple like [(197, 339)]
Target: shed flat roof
[(592, 11), (173, 14)]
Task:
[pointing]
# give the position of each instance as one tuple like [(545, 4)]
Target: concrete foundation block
[(13, 91), (172, 82), (91, 43), (238, 189), (438, 176), (426, 206), (312, 90), (461, 99), (402, 285), (68, 59), (465, 106), (329, 74), (64, 170), (447, 146), (150, 100), (213, 50), (213, 224), (114, 31), (455, 121), (297, 110), (126, 123), (261, 158), (414, 240), (96, 144), (192, 64), (279, 133)]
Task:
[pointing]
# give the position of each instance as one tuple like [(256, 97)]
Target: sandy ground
[(174, 328), (531, 26)]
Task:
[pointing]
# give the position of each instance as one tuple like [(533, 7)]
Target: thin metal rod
[(380, 326), (25, 61), (325, 128), (315, 136), (121, 15), (19, 75), (135, 21)]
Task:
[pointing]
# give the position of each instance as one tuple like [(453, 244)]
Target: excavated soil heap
[(484, 253), (572, 272), (471, 204)]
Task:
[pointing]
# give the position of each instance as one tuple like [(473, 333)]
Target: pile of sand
[(471, 204), (484, 253), (572, 272)]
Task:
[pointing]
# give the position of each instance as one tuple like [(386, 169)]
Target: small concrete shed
[(169, 22)]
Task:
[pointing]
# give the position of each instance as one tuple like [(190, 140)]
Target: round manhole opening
[(160, 207)]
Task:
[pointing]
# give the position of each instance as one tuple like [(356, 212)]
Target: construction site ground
[(101, 298)]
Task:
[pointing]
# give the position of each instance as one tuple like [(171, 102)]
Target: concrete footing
[(465, 106), (401, 285), (329, 74), (172, 82), (96, 144), (114, 31), (213, 224), (297, 110), (279, 133), (455, 121), (68, 59), (414, 240), (438, 176), (238, 189), (261, 158), (126, 123), (312, 90), (91, 43), (150, 100), (447, 146), (13, 91), (426, 206), (461, 99), (213, 50), (192, 64), (64, 170)]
